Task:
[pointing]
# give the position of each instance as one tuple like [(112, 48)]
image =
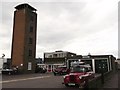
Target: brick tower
[(24, 38)]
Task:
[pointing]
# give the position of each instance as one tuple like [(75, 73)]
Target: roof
[(56, 52), (25, 5)]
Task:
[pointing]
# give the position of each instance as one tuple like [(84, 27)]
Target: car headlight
[(65, 76), (80, 77)]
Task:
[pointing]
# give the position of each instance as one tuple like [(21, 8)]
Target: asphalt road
[(47, 80)]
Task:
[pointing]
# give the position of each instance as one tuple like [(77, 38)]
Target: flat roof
[(21, 6)]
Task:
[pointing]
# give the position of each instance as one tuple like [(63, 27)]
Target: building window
[(50, 56), (30, 40), (31, 29), (54, 55), (32, 18), (58, 55), (30, 52)]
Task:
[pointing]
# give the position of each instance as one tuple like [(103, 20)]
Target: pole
[(102, 74), (3, 55)]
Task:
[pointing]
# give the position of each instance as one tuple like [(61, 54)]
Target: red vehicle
[(61, 70), (79, 76)]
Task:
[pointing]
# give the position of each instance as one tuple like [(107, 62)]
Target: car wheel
[(54, 74), (80, 86), (66, 85), (9, 73), (61, 73), (77, 85)]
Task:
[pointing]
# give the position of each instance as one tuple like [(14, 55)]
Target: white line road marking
[(24, 79)]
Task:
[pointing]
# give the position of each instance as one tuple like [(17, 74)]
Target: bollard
[(102, 77)]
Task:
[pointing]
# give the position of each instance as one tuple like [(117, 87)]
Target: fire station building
[(100, 62), (97, 62), (54, 59)]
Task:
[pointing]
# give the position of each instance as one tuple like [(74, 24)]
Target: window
[(54, 55), (50, 56), (31, 29), (30, 40), (30, 52), (31, 18)]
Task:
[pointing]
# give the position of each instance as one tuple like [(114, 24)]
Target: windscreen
[(79, 69)]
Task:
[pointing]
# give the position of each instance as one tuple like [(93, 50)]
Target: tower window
[(30, 52), (32, 18), (31, 29), (30, 40)]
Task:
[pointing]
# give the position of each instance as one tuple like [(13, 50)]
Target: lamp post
[(3, 55), (65, 60), (102, 72)]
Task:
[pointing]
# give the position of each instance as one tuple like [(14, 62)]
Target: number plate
[(71, 83)]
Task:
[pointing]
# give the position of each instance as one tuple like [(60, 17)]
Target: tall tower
[(24, 38)]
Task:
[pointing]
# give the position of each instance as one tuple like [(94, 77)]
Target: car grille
[(72, 78)]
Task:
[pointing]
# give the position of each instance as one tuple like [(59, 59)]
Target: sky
[(78, 26)]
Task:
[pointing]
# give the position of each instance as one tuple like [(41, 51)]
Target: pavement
[(113, 81)]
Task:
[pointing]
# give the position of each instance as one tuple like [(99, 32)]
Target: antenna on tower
[(89, 54)]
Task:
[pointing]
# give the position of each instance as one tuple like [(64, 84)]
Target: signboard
[(29, 66), (85, 56), (1, 63), (4, 60)]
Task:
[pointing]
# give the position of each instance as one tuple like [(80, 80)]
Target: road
[(47, 80)]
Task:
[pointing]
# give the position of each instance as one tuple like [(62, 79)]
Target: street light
[(21, 64), (65, 60), (102, 67), (3, 55)]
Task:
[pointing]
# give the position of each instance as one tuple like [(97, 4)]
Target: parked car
[(78, 76), (61, 70), (13, 70), (40, 69)]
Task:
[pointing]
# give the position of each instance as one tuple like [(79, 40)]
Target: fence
[(98, 81)]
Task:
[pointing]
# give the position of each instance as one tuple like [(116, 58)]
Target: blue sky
[(78, 26)]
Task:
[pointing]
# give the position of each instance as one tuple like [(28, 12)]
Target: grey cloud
[(60, 23), (78, 24), (58, 39), (7, 11)]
